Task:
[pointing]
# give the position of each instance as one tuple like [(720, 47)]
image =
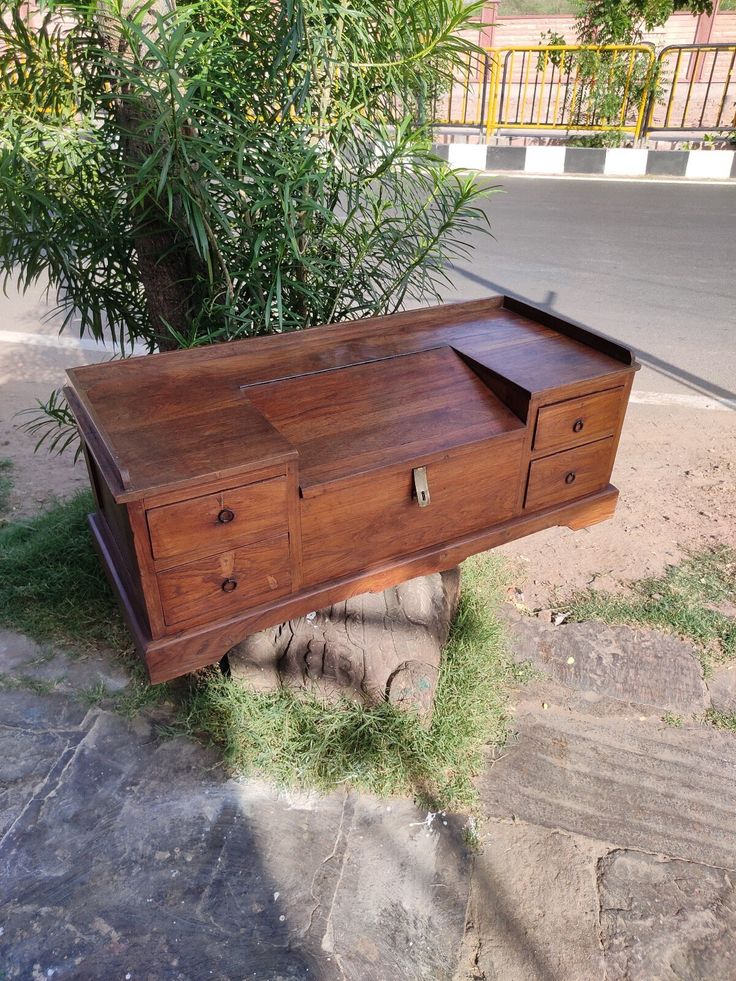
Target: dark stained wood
[(221, 584), (571, 328), (180, 417), (577, 421), (146, 567), (172, 656), (569, 475), (361, 522), (215, 522), (308, 443), (514, 396), (295, 526), (353, 420)]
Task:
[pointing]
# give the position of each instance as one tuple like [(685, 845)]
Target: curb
[(614, 162)]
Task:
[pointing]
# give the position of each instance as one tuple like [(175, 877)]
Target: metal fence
[(695, 89), (593, 88), (571, 88)]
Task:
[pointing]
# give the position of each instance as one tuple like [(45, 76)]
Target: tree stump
[(371, 648)]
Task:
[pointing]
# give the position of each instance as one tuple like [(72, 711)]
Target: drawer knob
[(229, 585), (225, 516), (577, 426), (570, 477)]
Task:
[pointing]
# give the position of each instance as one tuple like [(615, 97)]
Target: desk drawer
[(226, 583), (577, 421), (357, 524), (568, 475), (219, 521)]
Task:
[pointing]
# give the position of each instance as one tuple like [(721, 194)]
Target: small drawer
[(577, 421), (568, 475), (219, 521), (226, 583)]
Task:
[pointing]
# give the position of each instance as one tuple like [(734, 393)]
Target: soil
[(27, 374)]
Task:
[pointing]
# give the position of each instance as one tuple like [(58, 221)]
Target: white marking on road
[(62, 343), (687, 401)]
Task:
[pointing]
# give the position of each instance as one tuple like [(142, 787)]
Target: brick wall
[(679, 29), (724, 29)]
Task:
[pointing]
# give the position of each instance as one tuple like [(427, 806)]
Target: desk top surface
[(371, 389)]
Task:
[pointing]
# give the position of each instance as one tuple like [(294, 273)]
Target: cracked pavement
[(608, 846), (128, 855)]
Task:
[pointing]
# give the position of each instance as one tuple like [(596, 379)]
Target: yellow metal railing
[(695, 89), (569, 87)]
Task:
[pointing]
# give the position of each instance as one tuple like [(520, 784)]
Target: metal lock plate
[(421, 486)]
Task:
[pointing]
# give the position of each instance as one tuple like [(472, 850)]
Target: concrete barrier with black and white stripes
[(612, 162)]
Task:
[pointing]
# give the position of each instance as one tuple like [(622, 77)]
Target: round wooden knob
[(225, 516), (570, 478), (229, 585), (577, 426)]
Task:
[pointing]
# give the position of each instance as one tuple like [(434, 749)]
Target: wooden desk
[(243, 484)]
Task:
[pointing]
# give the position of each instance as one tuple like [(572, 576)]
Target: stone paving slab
[(656, 788), (398, 911), (37, 733), (722, 689), (137, 856), (637, 667), (665, 920), (21, 657), (533, 912), (122, 852)]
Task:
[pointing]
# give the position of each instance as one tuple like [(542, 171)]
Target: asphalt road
[(651, 264)]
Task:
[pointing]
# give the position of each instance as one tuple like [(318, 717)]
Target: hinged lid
[(351, 420)]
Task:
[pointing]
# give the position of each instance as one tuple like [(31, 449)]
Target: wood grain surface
[(569, 475), (251, 513), (201, 589), (242, 484), (576, 421)]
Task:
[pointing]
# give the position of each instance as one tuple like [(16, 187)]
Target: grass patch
[(682, 601), (39, 686), (672, 719), (721, 720), (300, 742), (139, 694), (6, 484), (52, 586)]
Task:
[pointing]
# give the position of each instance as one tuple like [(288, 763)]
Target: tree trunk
[(370, 648), (167, 260)]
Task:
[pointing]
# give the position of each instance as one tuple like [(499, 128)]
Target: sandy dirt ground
[(29, 373)]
